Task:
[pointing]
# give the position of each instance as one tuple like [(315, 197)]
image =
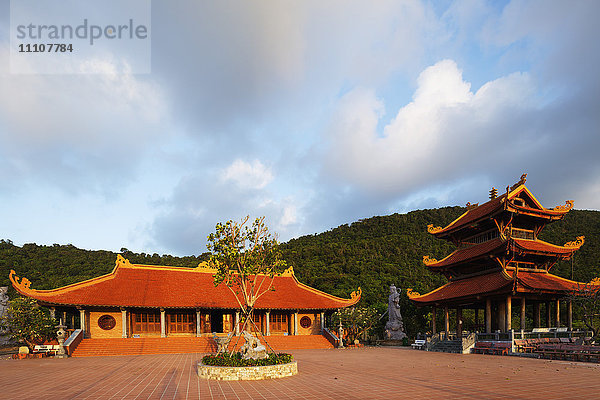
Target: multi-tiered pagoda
[(500, 263)]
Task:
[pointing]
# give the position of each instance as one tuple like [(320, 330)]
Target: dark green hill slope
[(371, 253)]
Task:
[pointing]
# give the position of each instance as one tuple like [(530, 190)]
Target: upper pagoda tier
[(133, 285), (502, 233), (516, 213)]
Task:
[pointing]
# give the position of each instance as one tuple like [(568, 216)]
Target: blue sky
[(312, 113)]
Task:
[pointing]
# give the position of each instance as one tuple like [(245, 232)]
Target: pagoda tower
[(501, 264)]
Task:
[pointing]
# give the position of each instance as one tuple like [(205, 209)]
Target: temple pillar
[(523, 316), (268, 313), (458, 322), (557, 313), (296, 322), (537, 315), (548, 315), (82, 320), (65, 319), (502, 316), (53, 312), (508, 313), (123, 323), (433, 319), (237, 323), (198, 326), (163, 323), (322, 322), (570, 314), (488, 316), (446, 322)]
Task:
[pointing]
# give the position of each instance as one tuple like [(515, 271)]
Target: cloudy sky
[(312, 113)]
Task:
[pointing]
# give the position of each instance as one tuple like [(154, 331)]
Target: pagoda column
[(322, 322), (446, 322), (502, 316), (557, 313), (458, 322), (123, 323), (488, 316), (198, 319), (508, 313), (237, 323), (570, 314), (548, 315), (433, 320), (536, 315), (163, 323), (268, 322), (523, 313)]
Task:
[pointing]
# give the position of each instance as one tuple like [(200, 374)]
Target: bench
[(523, 346), (46, 349), (500, 348), (571, 352), (419, 344)]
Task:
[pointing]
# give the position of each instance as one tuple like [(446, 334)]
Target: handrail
[(73, 341), (331, 337)]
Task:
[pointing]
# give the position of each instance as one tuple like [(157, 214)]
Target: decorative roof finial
[(493, 193), (521, 182)]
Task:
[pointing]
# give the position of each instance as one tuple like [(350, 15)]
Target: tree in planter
[(587, 296), (27, 323), (246, 258), (355, 321)]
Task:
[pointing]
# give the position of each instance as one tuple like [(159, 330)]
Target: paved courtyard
[(368, 373)]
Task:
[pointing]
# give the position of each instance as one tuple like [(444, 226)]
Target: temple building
[(501, 265), (154, 301)]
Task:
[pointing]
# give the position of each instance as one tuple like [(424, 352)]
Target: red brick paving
[(367, 373)]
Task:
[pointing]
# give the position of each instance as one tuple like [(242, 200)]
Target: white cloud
[(430, 139), (254, 175)]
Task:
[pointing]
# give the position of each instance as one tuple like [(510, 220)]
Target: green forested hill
[(371, 253)]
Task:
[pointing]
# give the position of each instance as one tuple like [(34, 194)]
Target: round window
[(305, 322), (107, 322)]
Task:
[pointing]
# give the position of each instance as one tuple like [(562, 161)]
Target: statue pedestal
[(389, 342)]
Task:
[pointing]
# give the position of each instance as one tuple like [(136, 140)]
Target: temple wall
[(95, 332), (314, 328)]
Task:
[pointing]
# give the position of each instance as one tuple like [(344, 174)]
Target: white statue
[(394, 329)]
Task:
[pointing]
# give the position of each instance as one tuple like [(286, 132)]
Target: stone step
[(174, 345)]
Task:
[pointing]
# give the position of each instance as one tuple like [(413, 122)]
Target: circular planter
[(247, 373)]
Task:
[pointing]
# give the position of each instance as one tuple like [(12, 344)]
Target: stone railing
[(468, 342), (73, 341), (331, 337)]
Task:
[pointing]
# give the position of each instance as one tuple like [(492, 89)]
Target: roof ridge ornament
[(433, 229), (412, 293), (566, 207), (23, 285), (356, 294), (429, 261), (576, 243), (289, 271), (122, 262), (521, 182), (471, 206)]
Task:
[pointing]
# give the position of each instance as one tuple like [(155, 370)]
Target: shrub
[(236, 360)]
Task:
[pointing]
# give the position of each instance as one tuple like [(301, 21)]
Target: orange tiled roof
[(469, 253), (492, 206), (499, 281), (465, 288), (131, 285), (497, 245)]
